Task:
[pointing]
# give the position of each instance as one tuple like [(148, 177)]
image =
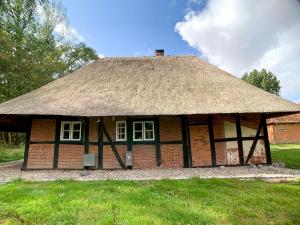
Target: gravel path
[(13, 171)]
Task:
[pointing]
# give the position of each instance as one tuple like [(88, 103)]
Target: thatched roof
[(171, 85)]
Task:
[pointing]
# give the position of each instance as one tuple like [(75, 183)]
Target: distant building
[(284, 129)]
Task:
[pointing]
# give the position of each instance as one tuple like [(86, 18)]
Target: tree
[(36, 47), (33, 51), (263, 79)]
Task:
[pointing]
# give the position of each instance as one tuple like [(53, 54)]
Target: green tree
[(263, 79), (32, 51)]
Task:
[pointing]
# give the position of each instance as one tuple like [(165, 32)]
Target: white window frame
[(117, 130), (144, 131), (72, 123)]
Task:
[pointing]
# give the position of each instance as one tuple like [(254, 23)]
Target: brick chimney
[(159, 52)]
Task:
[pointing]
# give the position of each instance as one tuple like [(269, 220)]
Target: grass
[(11, 154), (286, 153), (193, 201)]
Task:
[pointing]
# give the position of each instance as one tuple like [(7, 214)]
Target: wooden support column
[(157, 141), (27, 144), (86, 135), (212, 141), (266, 141), (239, 138), (56, 144), (100, 144), (253, 146), (187, 161), (129, 136), (116, 153)]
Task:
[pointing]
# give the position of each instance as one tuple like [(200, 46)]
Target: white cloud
[(240, 35)]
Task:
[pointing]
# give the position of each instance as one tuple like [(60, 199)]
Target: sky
[(234, 35)]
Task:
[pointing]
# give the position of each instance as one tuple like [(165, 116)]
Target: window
[(70, 131), (282, 127), (143, 131), (121, 130)]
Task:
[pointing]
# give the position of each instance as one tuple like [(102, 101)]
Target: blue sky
[(234, 35), (131, 27)]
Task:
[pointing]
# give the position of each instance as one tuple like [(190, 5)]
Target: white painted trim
[(144, 131), (117, 130), (72, 123), (141, 139)]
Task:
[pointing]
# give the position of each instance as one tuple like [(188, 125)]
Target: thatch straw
[(147, 86)]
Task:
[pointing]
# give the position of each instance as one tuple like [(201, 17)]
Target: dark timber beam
[(239, 138), (253, 146), (157, 141), (113, 148), (56, 145), (266, 141), (212, 141), (86, 135), (100, 144), (27, 144), (186, 142), (129, 136)]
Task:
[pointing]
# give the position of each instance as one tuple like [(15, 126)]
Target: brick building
[(144, 112), (284, 129)]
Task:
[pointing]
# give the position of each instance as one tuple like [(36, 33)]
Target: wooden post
[(186, 142), (27, 144), (157, 141), (239, 138), (86, 135), (253, 146), (100, 144), (56, 144), (266, 141), (212, 141)]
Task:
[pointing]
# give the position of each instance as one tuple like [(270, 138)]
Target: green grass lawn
[(193, 201), (11, 154), (286, 153)]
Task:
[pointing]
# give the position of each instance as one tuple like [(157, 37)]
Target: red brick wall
[(171, 156), (93, 149), (284, 133), (40, 156), (143, 156), (170, 129), (70, 156), (109, 159), (200, 145), (42, 130)]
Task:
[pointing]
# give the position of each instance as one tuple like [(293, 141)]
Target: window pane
[(138, 135), (149, 135), (66, 135), (76, 135), (138, 126), (66, 126), (76, 126), (148, 126), (122, 136)]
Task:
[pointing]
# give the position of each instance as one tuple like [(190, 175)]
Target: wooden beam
[(113, 148), (86, 135), (129, 138), (212, 141), (235, 139), (239, 138), (100, 144), (157, 141), (256, 138), (266, 141), (186, 142), (27, 145), (56, 145)]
